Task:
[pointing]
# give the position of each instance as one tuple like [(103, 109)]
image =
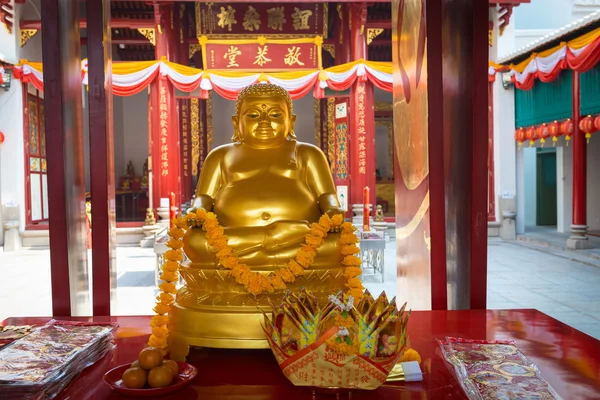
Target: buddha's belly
[(260, 202)]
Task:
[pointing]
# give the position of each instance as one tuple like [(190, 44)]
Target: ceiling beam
[(379, 24), (508, 2), (259, 1), (132, 23)]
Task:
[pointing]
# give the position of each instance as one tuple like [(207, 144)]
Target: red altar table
[(567, 358)]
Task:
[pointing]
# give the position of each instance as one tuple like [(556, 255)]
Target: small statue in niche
[(150, 220), (126, 183), (130, 170), (379, 213), (144, 182)]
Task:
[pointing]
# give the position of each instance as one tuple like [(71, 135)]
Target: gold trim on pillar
[(331, 131), (194, 48), (383, 106), (317, 110), (389, 124), (341, 15), (330, 48), (27, 34), (372, 33), (195, 133), (149, 33), (209, 122)]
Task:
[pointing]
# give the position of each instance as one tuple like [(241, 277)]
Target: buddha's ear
[(292, 122)]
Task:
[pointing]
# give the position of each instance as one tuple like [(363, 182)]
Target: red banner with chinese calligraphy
[(184, 127), (274, 55), (261, 19), (363, 148), (165, 142)]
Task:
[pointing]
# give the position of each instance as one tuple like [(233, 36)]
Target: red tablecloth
[(568, 359)]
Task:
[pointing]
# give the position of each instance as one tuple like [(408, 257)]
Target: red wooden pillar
[(362, 114), (102, 175), (64, 140), (579, 223), (341, 151), (165, 123), (184, 112), (478, 158)]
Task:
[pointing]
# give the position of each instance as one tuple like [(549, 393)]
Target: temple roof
[(567, 32)]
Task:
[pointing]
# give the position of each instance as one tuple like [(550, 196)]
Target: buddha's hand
[(192, 219), (332, 212)]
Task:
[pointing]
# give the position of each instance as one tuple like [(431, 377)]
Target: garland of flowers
[(257, 283), (254, 282), (169, 275)]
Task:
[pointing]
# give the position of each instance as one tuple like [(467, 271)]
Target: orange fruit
[(134, 378), (160, 377), (150, 357), (172, 365)]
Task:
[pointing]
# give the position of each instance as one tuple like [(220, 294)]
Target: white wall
[(224, 109), (130, 118), (593, 183), (530, 186), (381, 151), (135, 131), (542, 14), (12, 163), (119, 143)]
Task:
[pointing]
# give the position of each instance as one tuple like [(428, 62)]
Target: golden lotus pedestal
[(214, 311), (218, 327)]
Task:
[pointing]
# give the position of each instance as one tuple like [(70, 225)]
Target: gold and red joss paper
[(342, 345)]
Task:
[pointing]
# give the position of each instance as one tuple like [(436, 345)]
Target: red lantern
[(542, 133), (597, 122), (566, 128), (554, 130), (520, 136), (1, 137), (587, 125), (531, 135)]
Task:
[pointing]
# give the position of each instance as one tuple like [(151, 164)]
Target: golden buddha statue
[(265, 188)]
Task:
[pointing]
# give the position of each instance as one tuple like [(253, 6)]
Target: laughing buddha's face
[(264, 121)]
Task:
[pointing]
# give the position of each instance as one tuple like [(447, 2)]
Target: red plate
[(112, 378)]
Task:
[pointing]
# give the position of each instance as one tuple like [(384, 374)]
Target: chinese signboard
[(185, 138), (261, 19), (361, 130), (252, 55), (164, 127)]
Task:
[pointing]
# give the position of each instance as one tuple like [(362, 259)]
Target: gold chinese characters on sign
[(362, 132), (185, 133), (164, 126), (261, 19), (262, 53)]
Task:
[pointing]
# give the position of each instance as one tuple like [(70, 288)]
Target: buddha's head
[(263, 116)]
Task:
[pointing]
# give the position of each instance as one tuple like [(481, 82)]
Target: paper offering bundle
[(341, 345), (41, 364)]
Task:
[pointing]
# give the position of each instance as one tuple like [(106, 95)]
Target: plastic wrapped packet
[(41, 364), (494, 370)]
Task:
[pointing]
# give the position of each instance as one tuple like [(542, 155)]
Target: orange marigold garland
[(170, 275), (257, 283), (254, 282)]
